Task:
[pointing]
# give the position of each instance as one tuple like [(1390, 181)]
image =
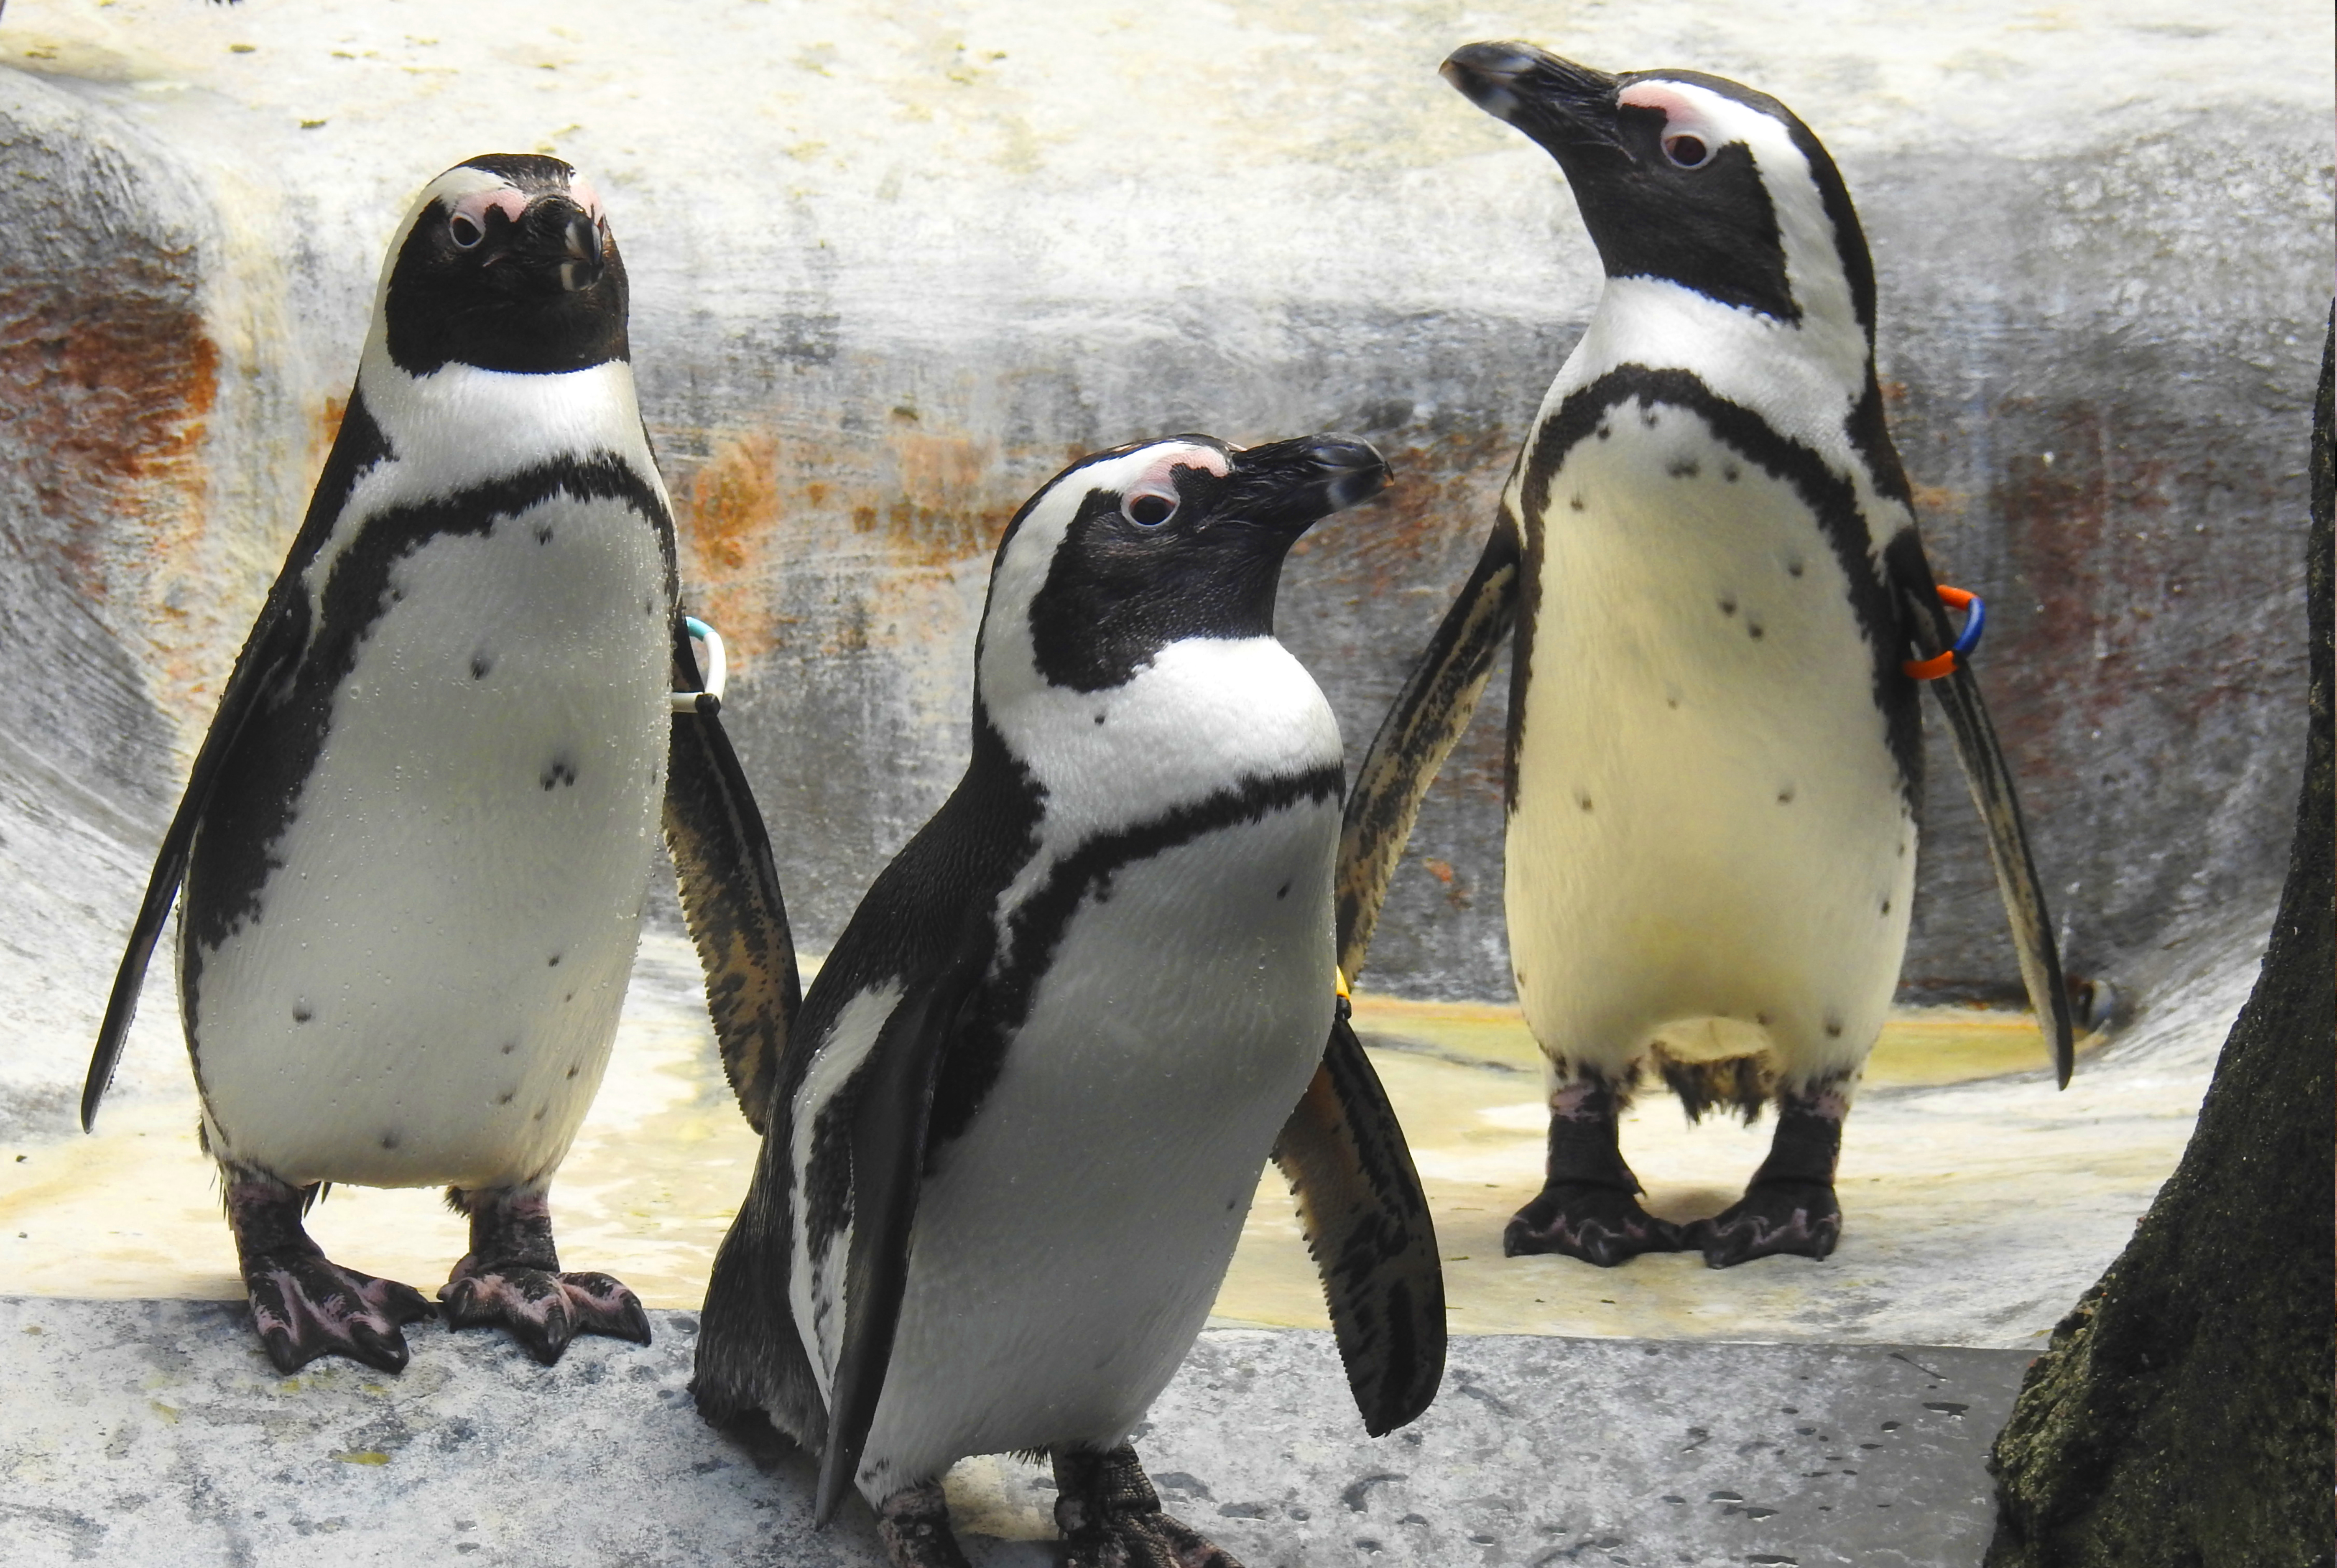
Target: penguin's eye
[(465, 231), (1150, 508), (1686, 151)]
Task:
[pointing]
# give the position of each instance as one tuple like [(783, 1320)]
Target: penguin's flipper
[(1418, 733), (1990, 781), (890, 1117), (1368, 1228), (270, 653), (729, 896)]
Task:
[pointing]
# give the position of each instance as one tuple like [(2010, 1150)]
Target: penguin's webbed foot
[(1797, 1217), (511, 1276), (542, 1309), (305, 1306), (1594, 1221), (1110, 1517), (913, 1524)]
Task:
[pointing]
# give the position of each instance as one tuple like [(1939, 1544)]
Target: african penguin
[(1005, 1167), (416, 839), (1707, 551)]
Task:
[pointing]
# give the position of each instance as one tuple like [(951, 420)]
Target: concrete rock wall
[(894, 265)]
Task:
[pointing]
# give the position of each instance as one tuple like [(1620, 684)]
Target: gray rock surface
[(155, 1432)]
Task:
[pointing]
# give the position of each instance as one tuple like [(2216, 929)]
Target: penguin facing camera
[(416, 842), (1707, 555), (1006, 1163)]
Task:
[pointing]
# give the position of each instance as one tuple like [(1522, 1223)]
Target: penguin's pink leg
[(1789, 1206), (1589, 1206), (511, 1276), (303, 1304), (1110, 1516)]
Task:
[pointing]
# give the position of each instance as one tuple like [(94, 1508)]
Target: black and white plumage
[(1707, 551), (416, 839), (1008, 1156)]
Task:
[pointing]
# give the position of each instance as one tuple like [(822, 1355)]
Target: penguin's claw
[(1597, 1224), (542, 1309), (1110, 1517), (306, 1306), (1795, 1217), (914, 1524)]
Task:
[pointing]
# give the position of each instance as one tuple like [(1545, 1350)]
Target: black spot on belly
[(1785, 796), (1582, 800), (1793, 567), (1833, 1024), (1886, 906), (1728, 604), (1683, 468), (510, 1045), (1099, 718), (561, 771), (540, 1110), (1762, 1019), (574, 1071), (302, 1012), (507, 1096), (1647, 417), (481, 662), (389, 1140), (1755, 630), (1728, 472), (1282, 892), (553, 962), (1605, 431), (544, 533), (648, 606), (1575, 502)]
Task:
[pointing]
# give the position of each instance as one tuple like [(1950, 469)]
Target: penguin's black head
[(1148, 544), (505, 263), (1688, 179)]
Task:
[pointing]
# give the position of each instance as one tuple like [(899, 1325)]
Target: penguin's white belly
[(1709, 823), (1068, 1248), (430, 986)]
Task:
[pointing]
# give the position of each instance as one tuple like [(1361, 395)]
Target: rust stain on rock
[(109, 390)]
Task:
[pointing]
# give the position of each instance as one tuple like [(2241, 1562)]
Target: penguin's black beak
[(560, 243), (1289, 486), (1568, 110)]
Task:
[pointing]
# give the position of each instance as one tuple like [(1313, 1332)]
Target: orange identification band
[(1975, 619), (1339, 980)]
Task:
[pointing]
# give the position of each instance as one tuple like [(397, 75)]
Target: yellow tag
[(1339, 982)]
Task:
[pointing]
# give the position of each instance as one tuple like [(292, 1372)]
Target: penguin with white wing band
[(1008, 1158), (1708, 556), (416, 839)]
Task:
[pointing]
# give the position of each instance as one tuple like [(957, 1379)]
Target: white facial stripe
[(1009, 664), (1813, 264)]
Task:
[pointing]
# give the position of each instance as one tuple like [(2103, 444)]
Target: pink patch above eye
[(475, 206), (581, 193), (1159, 474), (1682, 116)]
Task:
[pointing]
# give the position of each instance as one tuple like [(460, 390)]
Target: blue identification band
[(718, 671), (1975, 610)]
